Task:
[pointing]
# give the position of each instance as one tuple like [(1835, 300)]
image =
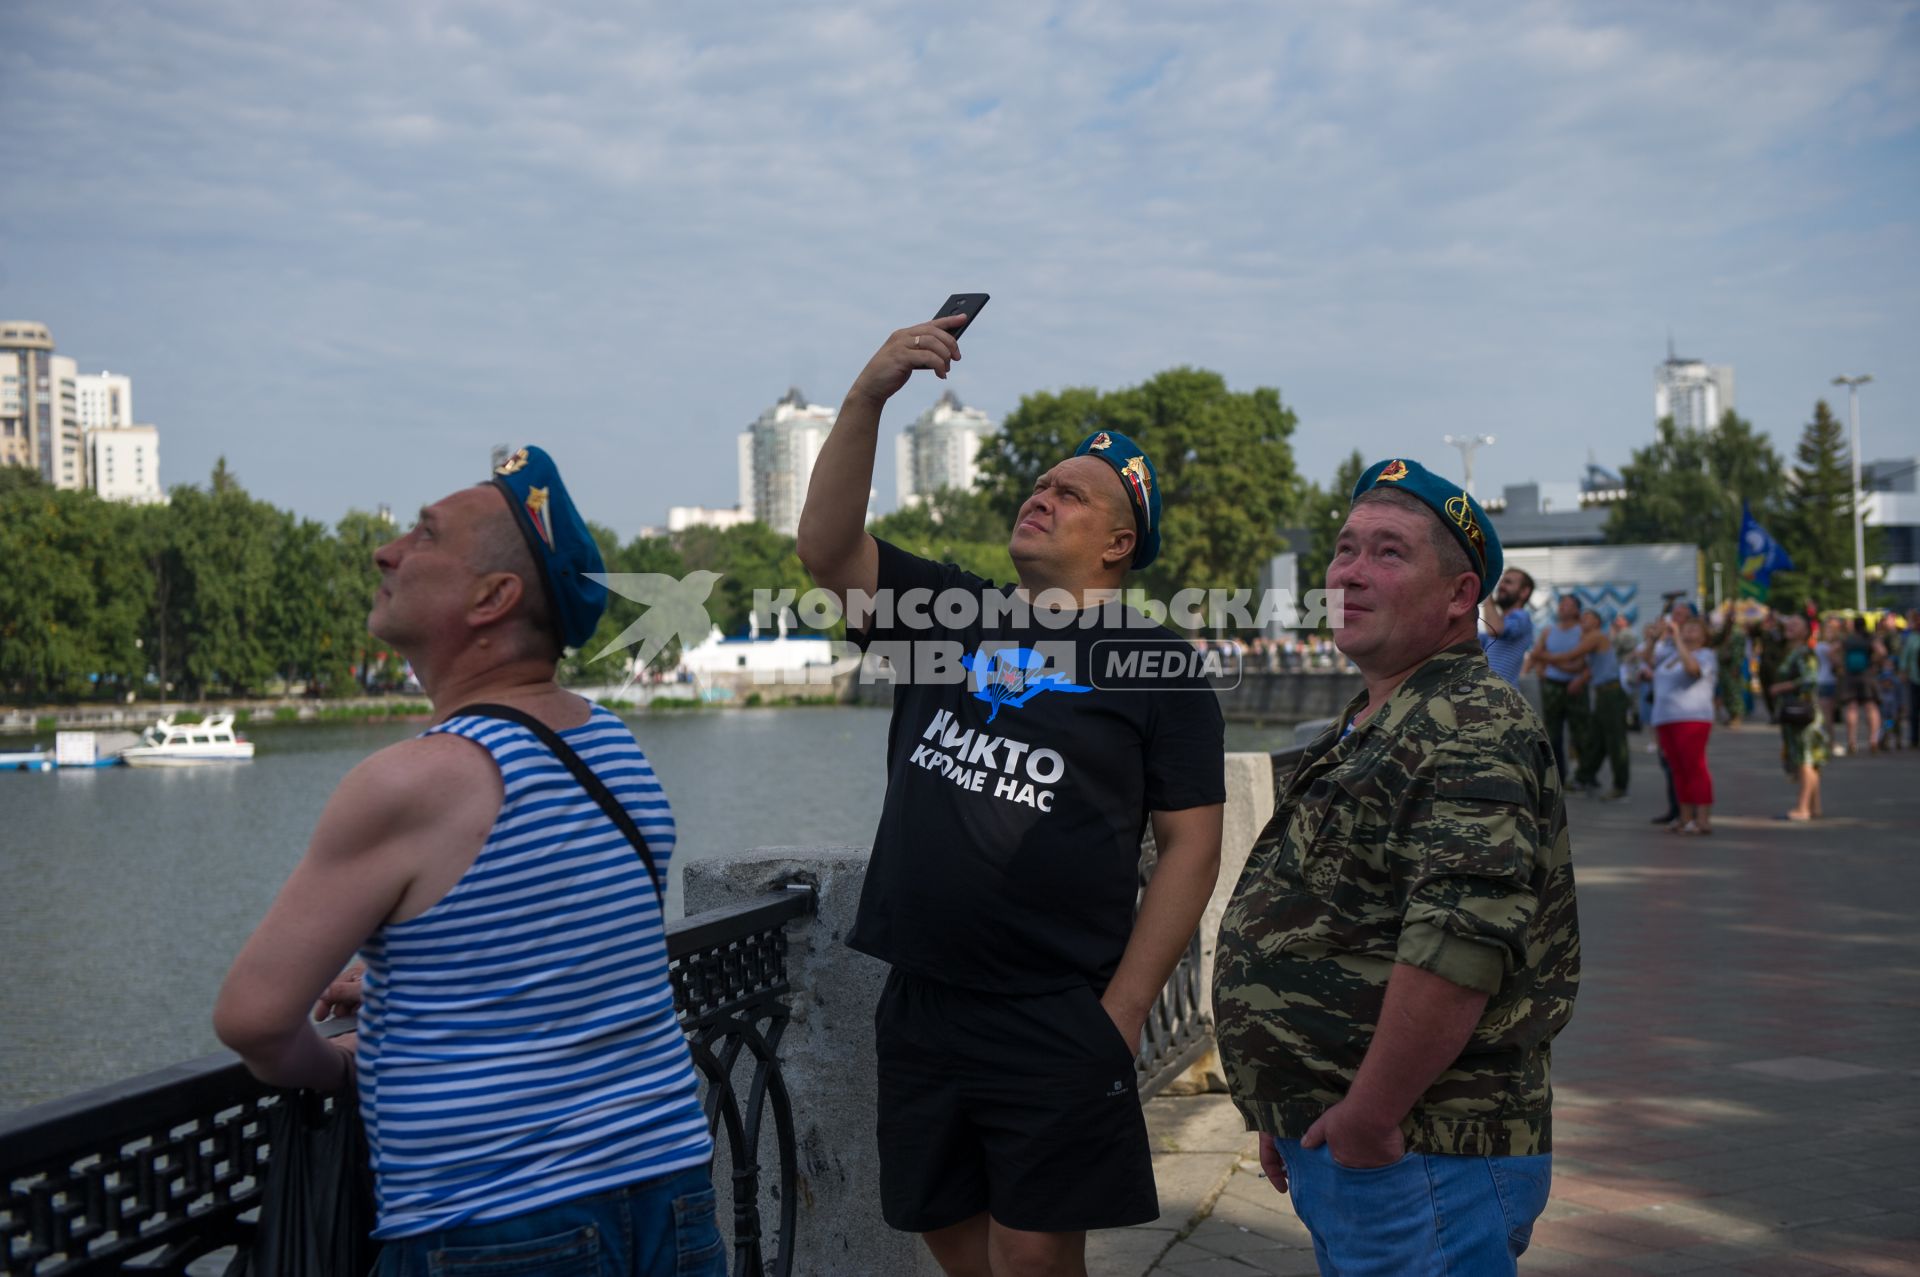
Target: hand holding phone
[(967, 304)]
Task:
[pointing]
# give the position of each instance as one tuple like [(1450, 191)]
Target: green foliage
[(749, 557), (1817, 527), (212, 592), (216, 593), (225, 544), (953, 526), (642, 554), (71, 600), (1226, 469), (1322, 513), (1688, 485)]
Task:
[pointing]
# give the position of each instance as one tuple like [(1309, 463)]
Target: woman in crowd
[(1856, 653), (1803, 732), (1829, 682), (1685, 676)]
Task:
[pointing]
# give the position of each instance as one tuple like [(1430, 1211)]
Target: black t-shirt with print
[(1017, 792)]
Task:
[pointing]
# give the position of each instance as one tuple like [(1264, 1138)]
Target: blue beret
[(1141, 481), (1463, 515), (562, 547)]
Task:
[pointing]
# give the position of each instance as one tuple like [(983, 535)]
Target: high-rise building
[(776, 458), (1695, 394), (104, 400), (124, 464), (940, 449), (39, 406)]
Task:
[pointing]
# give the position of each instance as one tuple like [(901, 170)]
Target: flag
[(1760, 557)]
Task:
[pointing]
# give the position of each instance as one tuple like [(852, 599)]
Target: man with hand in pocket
[(1403, 946), (1031, 745)]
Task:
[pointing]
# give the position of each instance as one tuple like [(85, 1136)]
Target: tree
[(749, 557), (1687, 485), (1226, 469), (1817, 527), (355, 581), (225, 542), (955, 526), (71, 599), (642, 554), (1322, 512)]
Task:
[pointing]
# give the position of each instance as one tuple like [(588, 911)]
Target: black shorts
[(1858, 688), (1024, 1107)]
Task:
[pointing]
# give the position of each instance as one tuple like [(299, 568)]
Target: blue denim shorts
[(661, 1227), (1426, 1215)]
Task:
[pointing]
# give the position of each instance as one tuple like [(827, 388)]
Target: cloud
[(351, 252)]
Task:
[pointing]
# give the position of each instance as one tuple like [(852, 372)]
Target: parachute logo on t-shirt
[(1012, 676)]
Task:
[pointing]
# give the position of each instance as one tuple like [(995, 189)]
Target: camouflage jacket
[(1433, 835)]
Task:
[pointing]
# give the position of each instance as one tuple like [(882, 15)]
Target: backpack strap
[(595, 787)]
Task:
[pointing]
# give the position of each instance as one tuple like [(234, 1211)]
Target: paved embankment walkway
[(1739, 1091)]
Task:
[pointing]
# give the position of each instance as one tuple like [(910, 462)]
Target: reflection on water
[(130, 889)]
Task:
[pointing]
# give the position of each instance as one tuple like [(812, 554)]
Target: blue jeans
[(657, 1228), (1426, 1215)]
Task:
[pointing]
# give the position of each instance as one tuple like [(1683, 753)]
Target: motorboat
[(171, 744), (26, 760)]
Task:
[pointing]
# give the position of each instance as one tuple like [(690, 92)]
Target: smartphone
[(968, 304)]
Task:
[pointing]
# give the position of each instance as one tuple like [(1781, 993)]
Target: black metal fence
[(1179, 1028), (155, 1173), (151, 1174)]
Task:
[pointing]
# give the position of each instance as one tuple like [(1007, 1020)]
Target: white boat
[(171, 744), (26, 760)]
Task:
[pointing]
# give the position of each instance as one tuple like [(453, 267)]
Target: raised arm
[(833, 542)]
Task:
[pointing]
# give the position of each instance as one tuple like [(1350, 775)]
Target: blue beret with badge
[(563, 548), (1463, 516), (1141, 481)]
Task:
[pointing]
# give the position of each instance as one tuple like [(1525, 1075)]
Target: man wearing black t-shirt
[(1035, 733)]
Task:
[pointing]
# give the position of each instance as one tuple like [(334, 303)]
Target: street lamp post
[(1853, 385), (1468, 445)]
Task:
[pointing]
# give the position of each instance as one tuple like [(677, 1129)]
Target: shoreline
[(41, 720)]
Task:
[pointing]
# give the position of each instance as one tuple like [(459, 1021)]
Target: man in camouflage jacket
[(1403, 944)]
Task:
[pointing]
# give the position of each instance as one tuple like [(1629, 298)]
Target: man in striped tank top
[(530, 1102)]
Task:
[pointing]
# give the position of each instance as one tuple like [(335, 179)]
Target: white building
[(682, 517), (776, 458), (1695, 394), (104, 400), (124, 464), (940, 449), (40, 406), (1891, 503)]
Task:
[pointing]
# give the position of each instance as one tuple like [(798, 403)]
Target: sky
[(351, 247)]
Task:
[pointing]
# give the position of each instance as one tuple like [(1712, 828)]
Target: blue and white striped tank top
[(518, 1045)]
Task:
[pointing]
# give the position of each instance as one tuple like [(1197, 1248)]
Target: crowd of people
[(1395, 961), (1683, 673), (1288, 654)]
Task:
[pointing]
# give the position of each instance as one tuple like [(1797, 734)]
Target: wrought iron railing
[(1179, 1027), (1179, 1030), (151, 1174)]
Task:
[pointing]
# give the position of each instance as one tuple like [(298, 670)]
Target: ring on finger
[(915, 343)]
